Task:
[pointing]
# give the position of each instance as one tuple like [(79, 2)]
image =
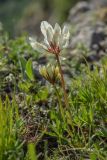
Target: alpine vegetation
[(55, 40)]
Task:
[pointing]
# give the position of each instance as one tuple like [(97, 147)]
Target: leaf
[(29, 70), (31, 151), (25, 86), (93, 156), (22, 62), (41, 95)]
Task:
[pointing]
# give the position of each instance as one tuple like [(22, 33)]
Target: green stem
[(62, 82), (59, 101), (58, 96)]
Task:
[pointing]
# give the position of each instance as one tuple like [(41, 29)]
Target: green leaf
[(93, 156), (31, 151), (29, 70), (23, 62)]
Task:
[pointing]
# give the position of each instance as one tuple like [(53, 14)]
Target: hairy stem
[(62, 82)]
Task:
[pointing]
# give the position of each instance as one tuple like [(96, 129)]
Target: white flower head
[(55, 39)]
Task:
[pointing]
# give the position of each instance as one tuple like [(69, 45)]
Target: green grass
[(10, 127), (32, 123), (83, 130)]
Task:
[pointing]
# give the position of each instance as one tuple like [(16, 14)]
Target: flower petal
[(65, 30), (65, 43), (46, 43), (64, 39), (44, 26), (57, 33), (49, 33), (37, 46)]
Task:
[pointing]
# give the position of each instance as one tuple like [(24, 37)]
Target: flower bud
[(50, 73)]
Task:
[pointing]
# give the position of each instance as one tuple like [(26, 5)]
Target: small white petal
[(57, 33), (61, 41), (45, 42), (66, 44), (57, 28), (49, 34), (44, 26), (32, 39), (37, 46), (64, 40), (66, 33), (67, 36), (65, 30)]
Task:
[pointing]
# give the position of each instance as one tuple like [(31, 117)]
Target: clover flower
[(50, 73), (55, 39)]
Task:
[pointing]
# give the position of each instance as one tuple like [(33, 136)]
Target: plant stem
[(62, 82), (59, 101), (58, 96)]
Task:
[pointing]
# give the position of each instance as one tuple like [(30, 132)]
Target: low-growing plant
[(35, 120), (11, 146), (55, 41)]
